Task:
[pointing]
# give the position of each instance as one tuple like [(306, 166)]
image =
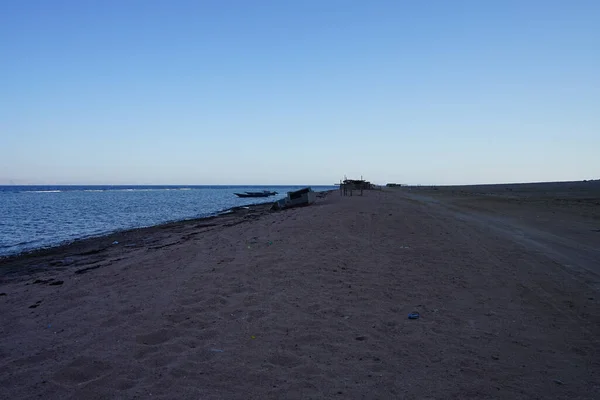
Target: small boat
[(264, 193)]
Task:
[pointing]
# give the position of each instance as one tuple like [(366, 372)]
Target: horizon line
[(295, 184)]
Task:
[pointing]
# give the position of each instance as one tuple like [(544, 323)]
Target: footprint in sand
[(256, 315), (188, 301), (124, 384), (177, 317), (154, 338), (33, 360), (284, 359), (82, 370)]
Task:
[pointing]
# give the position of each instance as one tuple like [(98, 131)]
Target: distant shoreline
[(159, 186), (98, 243), (106, 239), (35, 237)]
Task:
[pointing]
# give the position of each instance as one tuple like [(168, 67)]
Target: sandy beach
[(313, 302)]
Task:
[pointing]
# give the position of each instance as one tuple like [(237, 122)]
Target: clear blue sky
[(286, 92)]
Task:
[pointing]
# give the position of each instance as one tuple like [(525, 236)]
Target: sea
[(34, 217)]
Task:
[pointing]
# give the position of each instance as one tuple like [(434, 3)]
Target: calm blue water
[(32, 217)]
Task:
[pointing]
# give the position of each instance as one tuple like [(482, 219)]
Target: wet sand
[(313, 303)]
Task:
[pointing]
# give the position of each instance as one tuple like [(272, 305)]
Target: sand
[(313, 303)]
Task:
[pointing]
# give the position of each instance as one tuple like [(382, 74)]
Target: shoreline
[(66, 254), (97, 243), (39, 234)]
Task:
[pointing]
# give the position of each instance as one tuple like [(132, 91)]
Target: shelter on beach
[(348, 186), (302, 197)]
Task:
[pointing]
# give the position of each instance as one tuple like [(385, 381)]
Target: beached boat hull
[(256, 194)]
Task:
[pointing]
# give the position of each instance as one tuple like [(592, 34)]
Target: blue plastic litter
[(413, 315)]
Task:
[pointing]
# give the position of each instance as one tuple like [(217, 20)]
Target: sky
[(298, 92)]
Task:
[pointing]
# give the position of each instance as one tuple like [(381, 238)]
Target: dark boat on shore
[(264, 193)]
